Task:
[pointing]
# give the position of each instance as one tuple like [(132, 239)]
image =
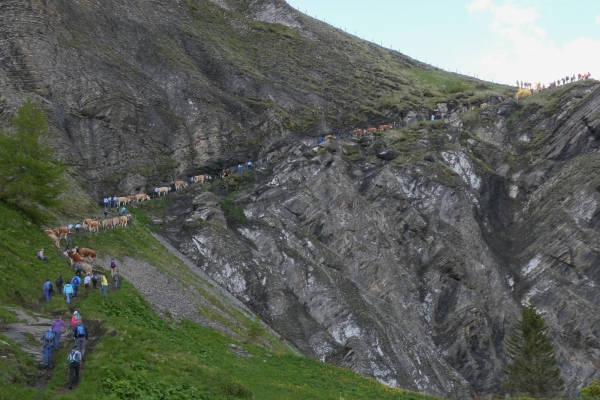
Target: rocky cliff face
[(412, 270), (404, 256)]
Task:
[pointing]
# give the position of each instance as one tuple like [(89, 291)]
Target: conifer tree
[(532, 370), (30, 178)]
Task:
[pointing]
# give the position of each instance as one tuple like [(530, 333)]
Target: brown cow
[(484, 105), (48, 231), (94, 225), (107, 223), (357, 132), (163, 190), (116, 221), (62, 231), (372, 130), (87, 253), (180, 184), (54, 239), (385, 127), (141, 197), (74, 257), (123, 220), (121, 201), (86, 223), (224, 173), (202, 178), (329, 137), (472, 108), (272, 154), (130, 198)]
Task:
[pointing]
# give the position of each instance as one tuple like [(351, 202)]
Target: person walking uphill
[(114, 268), (68, 291), (74, 361), (59, 284), (48, 340), (104, 284), (75, 282), (80, 334), (75, 318), (48, 289), (57, 326)]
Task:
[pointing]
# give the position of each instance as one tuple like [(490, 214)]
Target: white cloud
[(522, 50)]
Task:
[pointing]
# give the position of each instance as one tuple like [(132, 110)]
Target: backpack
[(113, 264), (80, 330), (51, 287), (73, 356), (49, 336)]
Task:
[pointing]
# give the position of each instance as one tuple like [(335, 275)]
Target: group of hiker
[(51, 341), (91, 280), (533, 87)]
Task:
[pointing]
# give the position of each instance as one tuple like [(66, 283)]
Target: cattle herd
[(77, 256)]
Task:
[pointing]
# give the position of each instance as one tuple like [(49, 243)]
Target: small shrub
[(592, 391)]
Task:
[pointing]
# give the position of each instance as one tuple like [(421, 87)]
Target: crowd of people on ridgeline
[(51, 341), (539, 87)]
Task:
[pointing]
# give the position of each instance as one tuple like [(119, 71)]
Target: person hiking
[(48, 289), (40, 255), (240, 168), (123, 211), (86, 282), (95, 278), (68, 243), (57, 326), (75, 282), (155, 192), (78, 268), (59, 284), (104, 284), (80, 334), (77, 228), (68, 292), (48, 341), (75, 318), (115, 201), (74, 361), (249, 165), (105, 211), (114, 267), (116, 280)]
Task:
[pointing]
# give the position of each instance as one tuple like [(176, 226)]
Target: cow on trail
[(179, 184), (123, 220), (484, 105), (74, 257), (107, 223), (329, 137), (163, 190), (272, 155), (372, 130), (87, 253), (121, 201), (224, 173), (86, 223), (94, 225), (62, 231), (202, 178), (116, 221), (385, 127), (141, 197)]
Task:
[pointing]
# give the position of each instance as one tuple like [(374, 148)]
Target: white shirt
[(86, 280)]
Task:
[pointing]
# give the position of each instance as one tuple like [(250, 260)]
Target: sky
[(496, 40)]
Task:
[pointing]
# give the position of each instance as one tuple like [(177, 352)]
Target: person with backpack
[(114, 268), (68, 291), (80, 334), (105, 211), (57, 326), (74, 360), (59, 284), (95, 278), (75, 318), (104, 284), (48, 340), (48, 289), (78, 269), (75, 282), (68, 242), (116, 280)]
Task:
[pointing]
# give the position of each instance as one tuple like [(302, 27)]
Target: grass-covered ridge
[(141, 355)]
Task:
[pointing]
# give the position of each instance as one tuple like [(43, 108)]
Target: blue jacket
[(47, 285), (68, 289), (76, 281)]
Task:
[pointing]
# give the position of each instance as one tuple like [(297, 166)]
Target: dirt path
[(27, 334)]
